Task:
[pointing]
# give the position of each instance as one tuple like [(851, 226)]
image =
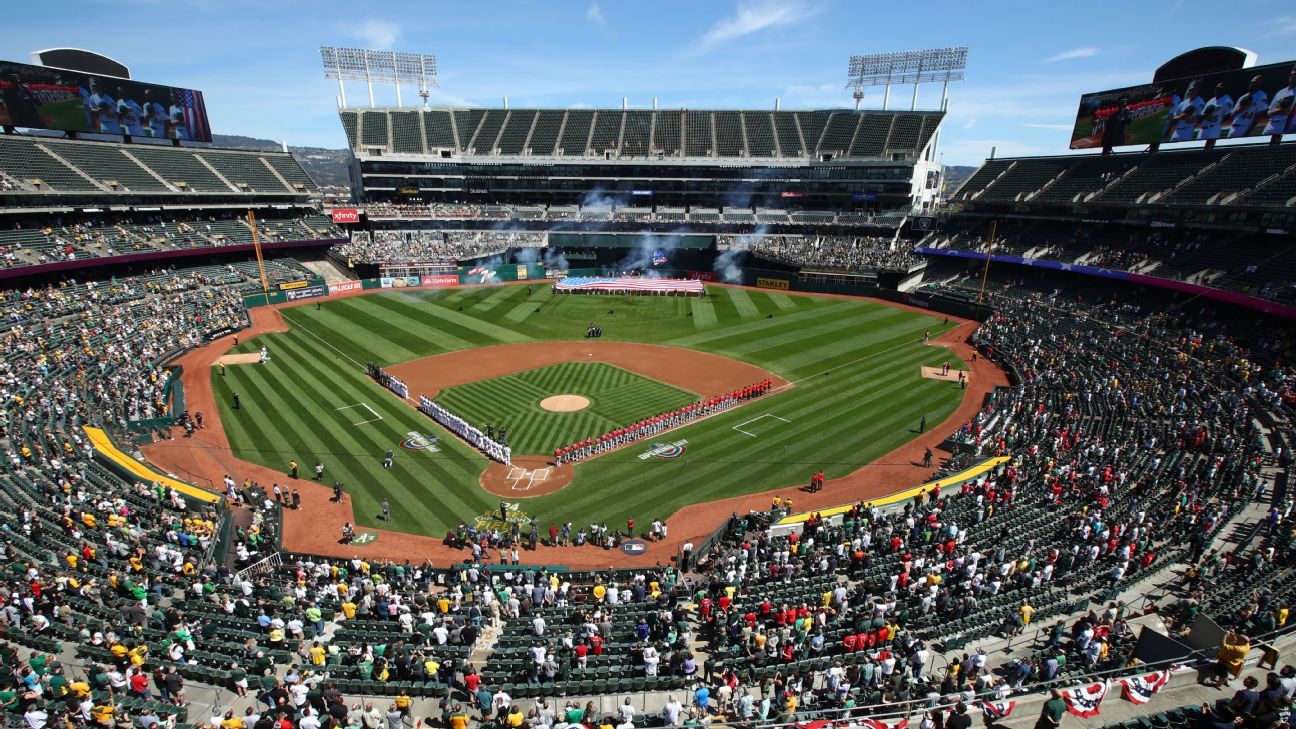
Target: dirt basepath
[(206, 458)]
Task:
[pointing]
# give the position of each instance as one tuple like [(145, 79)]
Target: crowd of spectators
[(606, 210), (433, 246), (68, 237), (833, 253)]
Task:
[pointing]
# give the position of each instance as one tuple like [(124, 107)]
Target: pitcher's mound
[(934, 373), (565, 403)]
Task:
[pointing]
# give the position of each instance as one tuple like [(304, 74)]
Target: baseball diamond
[(854, 365)]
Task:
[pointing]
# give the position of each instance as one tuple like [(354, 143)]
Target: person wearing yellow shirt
[(1026, 612), (79, 689), (431, 667), (516, 718), (72, 560), (276, 636), (138, 655), (102, 713), (232, 721), (599, 592), (443, 605), (349, 610), (317, 654), (119, 651), (459, 719), (136, 564), (88, 519)]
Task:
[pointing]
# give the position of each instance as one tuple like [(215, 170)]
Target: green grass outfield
[(617, 398), (859, 394)]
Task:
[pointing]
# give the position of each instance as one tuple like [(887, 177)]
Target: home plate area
[(522, 479)]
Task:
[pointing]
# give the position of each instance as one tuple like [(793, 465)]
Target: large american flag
[(616, 285)]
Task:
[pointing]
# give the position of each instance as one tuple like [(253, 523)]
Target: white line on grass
[(376, 415), (738, 427), (844, 364), (313, 334)]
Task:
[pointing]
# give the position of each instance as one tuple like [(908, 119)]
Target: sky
[(258, 63)]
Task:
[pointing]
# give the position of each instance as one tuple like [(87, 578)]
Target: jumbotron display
[(37, 97), (1248, 102)]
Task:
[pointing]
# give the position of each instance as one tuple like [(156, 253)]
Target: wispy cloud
[(753, 16), (1286, 25), (1085, 52), (377, 34), (595, 15)]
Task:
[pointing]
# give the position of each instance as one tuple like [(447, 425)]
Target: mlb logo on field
[(634, 546)]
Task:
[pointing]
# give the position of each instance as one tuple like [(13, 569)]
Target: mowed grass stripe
[(429, 338), (442, 331), (520, 312), (341, 326), (373, 439), (743, 303), (782, 301), (899, 328), (495, 298), (798, 334), (485, 328), (752, 329), (704, 314)]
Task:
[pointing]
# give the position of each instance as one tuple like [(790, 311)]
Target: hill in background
[(327, 167)]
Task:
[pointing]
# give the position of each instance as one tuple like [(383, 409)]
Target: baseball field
[(850, 391)]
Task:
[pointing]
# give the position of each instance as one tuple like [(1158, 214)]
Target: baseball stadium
[(570, 416)]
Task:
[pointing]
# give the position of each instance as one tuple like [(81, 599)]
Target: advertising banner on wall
[(342, 288), (400, 282), (442, 280), (309, 292), (781, 284), (346, 215)]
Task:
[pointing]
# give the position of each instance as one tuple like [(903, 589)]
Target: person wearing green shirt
[(38, 663), (1053, 711), (8, 699), (58, 683), (238, 677)]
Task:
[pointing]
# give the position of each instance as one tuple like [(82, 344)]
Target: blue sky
[(258, 61)]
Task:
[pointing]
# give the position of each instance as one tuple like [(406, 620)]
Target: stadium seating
[(437, 130), (29, 162), (641, 132)]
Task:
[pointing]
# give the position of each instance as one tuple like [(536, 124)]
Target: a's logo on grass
[(634, 546), (668, 451), (364, 538), (419, 442)]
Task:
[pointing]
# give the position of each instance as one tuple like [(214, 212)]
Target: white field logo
[(665, 450), (419, 442)]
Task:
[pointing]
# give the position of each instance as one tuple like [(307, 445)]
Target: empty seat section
[(697, 134), (982, 177), (789, 137), (290, 169), (373, 129), (514, 137), (729, 138), (406, 135), (638, 128), (437, 130), (1027, 176), (351, 125), (466, 123), (545, 135), (106, 162), (21, 159), (870, 140), (841, 129), (760, 133), (177, 166), (244, 168), (666, 133), (489, 131), (812, 126), (904, 133), (575, 135), (607, 129)]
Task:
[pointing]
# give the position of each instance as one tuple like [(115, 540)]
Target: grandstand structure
[(833, 160)]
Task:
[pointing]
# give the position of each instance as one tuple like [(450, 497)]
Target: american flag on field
[(195, 111), (665, 285)]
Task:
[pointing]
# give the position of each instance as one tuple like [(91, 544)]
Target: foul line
[(326, 344), (375, 413), (738, 427)]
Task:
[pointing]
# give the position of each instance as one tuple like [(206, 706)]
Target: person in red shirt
[(596, 642), (471, 681), (849, 643)]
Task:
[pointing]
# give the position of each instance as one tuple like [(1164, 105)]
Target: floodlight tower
[(352, 64), (904, 67)]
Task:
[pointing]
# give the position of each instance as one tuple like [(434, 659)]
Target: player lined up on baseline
[(658, 423)]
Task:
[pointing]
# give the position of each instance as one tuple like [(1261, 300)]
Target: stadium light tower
[(906, 67), (390, 67)]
